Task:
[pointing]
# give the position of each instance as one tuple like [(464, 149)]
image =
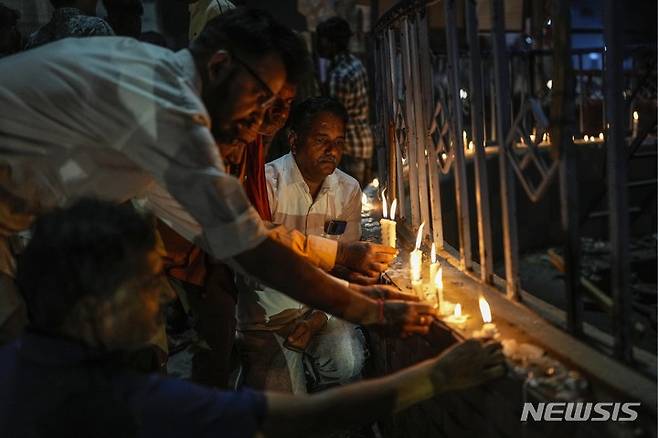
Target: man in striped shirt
[(348, 83)]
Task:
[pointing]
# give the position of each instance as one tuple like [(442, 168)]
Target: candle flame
[(438, 278), (601, 136), (471, 145), (419, 236), (586, 138), (393, 207), (636, 116), (433, 253), (384, 205), (485, 310), (458, 310)]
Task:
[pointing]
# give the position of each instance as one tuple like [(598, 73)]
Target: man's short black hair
[(254, 32), (8, 16), (303, 114), (337, 30), (89, 248)]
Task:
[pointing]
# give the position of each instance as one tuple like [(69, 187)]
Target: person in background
[(278, 336), (347, 81), (10, 37), (93, 283), (202, 11), (71, 18), (125, 17)]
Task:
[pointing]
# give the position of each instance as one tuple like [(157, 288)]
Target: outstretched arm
[(462, 366), (283, 269)]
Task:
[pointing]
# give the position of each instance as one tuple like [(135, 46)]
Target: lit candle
[(586, 138), (438, 291), (457, 319), (636, 120), (601, 137), (416, 263), (464, 137), (388, 226), (489, 329)]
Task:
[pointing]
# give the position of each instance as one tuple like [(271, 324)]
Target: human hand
[(404, 318), (383, 292), (365, 257), (304, 330), (354, 277), (467, 364)]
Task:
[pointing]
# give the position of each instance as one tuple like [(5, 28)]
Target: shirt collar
[(188, 66), (293, 175)]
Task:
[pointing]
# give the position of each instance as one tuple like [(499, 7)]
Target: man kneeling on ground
[(93, 284)]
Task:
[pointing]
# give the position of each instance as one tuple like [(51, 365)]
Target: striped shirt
[(263, 308), (348, 83), (129, 116)]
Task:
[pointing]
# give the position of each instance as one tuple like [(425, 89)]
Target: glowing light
[(636, 116), (463, 93), (586, 138), (419, 235), (433, 253), (384, 205), (375, 183), (601, 137), (471, 146), (458, 310), (364, 199), (393, 207), (444, 156), (549, 84), (485, 310)]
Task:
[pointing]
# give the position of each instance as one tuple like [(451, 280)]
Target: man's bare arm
[(465, 365), (279, 267)]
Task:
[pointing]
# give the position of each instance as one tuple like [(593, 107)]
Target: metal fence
[(420, 98)]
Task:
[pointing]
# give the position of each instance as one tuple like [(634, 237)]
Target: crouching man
[(280, 338), (93, 284)]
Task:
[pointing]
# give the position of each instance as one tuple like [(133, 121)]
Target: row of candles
[(433, 292)]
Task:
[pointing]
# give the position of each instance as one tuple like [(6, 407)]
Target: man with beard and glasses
[(93, 282), (134, 114), (280, 338)]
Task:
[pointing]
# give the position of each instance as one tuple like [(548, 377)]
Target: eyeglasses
[(270, 96)]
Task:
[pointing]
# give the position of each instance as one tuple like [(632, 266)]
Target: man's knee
[(340, 352)]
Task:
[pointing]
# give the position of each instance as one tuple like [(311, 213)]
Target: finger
[(492, 346), (494, 372), (420, 308), (496, 358), (394, 294), (366, 280), (413, 328), (376, 268), (383, 249)]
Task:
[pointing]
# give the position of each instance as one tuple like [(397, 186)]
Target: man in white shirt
[(110, 116), (279, 336)]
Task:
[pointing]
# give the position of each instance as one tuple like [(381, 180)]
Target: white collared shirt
[(107, 117), (291, 205)]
